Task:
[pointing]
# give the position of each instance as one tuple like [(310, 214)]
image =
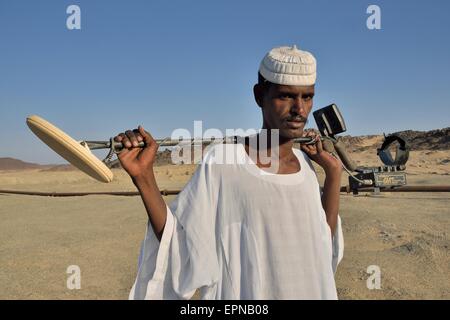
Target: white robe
[(237, 232)]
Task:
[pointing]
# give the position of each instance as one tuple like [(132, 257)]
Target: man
[(237, 231)]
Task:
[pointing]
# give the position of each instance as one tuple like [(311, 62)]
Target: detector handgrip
[(340, 149), (117, 147)]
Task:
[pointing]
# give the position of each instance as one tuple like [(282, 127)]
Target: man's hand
[(316, 153), (137, 162)]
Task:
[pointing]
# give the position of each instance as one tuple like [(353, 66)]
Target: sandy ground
[(405, 234)]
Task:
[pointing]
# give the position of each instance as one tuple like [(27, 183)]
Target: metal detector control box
[(389, 176)]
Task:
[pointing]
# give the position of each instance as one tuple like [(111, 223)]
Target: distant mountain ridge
[(16, 164)]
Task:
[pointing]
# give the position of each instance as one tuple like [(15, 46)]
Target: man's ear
[(258, 92)]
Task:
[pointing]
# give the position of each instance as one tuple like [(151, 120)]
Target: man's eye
[(285, 96), (307, 98)]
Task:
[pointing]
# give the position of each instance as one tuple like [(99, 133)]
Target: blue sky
[(164, 64)]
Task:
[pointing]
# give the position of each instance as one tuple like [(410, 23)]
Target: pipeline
[(416, 188), (78, 194), (165, 192)]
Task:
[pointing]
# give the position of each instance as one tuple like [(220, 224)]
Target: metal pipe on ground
[(413, 188)]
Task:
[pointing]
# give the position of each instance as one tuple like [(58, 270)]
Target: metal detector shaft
[(117, 146)]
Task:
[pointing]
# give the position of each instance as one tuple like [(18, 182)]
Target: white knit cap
[(289, 66)]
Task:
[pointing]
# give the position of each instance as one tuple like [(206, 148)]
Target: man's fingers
[(118, 138), (122, 137), (146, 135), (130, 141), (319, 144), (148, 139), (130, 138), (138, 135), (130, 134), (315, 146), (310, 132)]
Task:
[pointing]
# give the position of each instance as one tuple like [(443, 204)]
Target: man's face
[(285, 107)]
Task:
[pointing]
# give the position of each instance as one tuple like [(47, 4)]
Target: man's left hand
[(316, 153)]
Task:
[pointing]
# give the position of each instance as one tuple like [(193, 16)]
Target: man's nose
[(299, 107)]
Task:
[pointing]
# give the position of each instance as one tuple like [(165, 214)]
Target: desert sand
[(405, 234)]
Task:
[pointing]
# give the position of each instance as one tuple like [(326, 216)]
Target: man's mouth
[(295, 123)]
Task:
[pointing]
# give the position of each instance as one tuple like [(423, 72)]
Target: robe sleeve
[(338, 245), (186, 258)]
